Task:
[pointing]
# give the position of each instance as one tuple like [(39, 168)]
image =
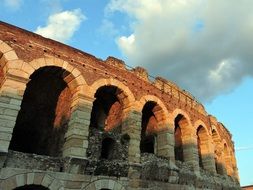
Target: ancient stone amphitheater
[(69, 120)]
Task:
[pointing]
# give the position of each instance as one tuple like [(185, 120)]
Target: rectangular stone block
[(7, 117), (30, 178), (79, 121), (38, 177), (10, 106), (20, 179), (81, 115), (4, 129), (6, 124), (4, 99), (15, 101), (74, 152), (78, 104), (4, 145), (47, 180), (5, 136), (73, 142), (11, 112), (77, 132), (54, 185)]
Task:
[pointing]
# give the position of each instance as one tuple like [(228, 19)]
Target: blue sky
[(202, 45)]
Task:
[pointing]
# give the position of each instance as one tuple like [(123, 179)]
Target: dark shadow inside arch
[(148, 125), (178, 149), (107, 110), (200, 139), (45, 110), (31, 187)]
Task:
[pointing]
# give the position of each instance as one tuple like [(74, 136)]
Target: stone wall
[(97, 115)]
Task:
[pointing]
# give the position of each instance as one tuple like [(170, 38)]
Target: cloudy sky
[(202, 45)]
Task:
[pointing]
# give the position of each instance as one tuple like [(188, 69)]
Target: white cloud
[(13, 4), (61, 26), (126, 43), (204, 46)]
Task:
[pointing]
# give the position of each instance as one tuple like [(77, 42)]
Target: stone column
[(222, 162), (165, 143), (221, 169), (190, 148), (208, 158), (78, 130), (132, 126), (234, 167), (11, 94)]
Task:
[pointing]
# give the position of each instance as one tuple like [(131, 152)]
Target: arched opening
[(202, 141), (149, 126), (108, 149), (178, 149), (31, 187), (106, 121), (45, 111), (107, 110)]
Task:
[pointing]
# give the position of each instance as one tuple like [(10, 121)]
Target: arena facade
[(69, 120)]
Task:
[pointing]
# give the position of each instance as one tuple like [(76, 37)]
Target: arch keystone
[(58, 62)]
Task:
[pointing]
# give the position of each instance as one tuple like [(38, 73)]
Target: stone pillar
[(229, 166), (11, 94), (220, 163), (190, 148), (78, 130), (221, 169), (165, 143), (208, 157), (132, 126), (234, 167), (209, 162)]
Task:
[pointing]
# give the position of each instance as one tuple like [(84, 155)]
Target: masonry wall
[(110, 127)]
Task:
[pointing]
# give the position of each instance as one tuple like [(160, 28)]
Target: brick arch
[(182, 129), (187, 120), (73, 76), (104, 183), (161, 114), (205, 148), (217, 135), (214, 128), (126, 96), (201, 123), (216, 139), (32, 178)]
